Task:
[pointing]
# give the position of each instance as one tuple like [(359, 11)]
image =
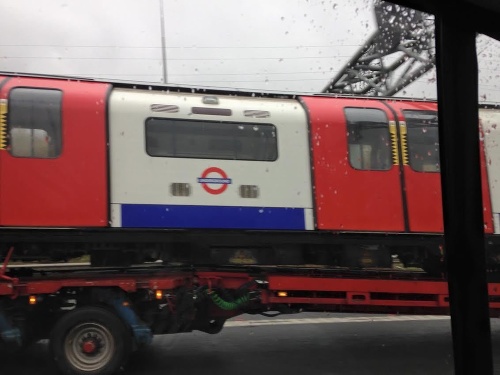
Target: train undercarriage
[(123, 248), (342, 251)]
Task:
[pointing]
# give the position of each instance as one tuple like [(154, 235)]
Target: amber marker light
[(282, 294), (32, 300), (159, 294)]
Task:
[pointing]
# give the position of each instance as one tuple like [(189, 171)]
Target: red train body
[(363, 189)]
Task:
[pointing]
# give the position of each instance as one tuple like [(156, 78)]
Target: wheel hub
[(89, 346)]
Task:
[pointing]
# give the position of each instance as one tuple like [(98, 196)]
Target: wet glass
[(294, 54), (488, 52)]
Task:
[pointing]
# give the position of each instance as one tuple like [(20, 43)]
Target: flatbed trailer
[(94, 317)]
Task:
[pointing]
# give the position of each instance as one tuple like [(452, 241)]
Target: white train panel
[(187, 160)]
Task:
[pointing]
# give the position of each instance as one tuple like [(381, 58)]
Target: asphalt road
[(300, 344)]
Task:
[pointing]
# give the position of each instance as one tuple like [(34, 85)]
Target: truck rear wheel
[(90, 341)]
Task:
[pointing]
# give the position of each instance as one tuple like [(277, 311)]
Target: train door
[(3, 118), (418, 129), (355, 165), (53, 167)]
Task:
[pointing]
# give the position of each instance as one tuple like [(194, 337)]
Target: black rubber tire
[(105, 327)]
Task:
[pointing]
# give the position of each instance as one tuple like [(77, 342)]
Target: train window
[(368, 138), (211, 140), (423, 141), (34, 123)]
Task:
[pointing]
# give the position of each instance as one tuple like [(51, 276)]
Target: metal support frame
[(3, 270), (399, 52)]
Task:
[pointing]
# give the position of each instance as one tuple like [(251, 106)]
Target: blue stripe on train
[(227, 217)]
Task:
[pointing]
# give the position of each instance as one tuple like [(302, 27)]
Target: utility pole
[(163, 46)]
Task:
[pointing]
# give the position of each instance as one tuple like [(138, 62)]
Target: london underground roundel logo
[(214, 176)]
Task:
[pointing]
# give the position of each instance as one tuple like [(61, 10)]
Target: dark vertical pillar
[(462, 201)]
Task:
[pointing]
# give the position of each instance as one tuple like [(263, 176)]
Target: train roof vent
[(257, 113), (164, 108)]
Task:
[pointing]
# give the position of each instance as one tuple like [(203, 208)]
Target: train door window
[(211, 140), (34, 123), (368, 138), (423, 140)]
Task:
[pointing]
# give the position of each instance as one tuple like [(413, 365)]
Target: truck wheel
[(90, 341)]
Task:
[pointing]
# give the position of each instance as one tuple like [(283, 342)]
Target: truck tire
[(90, 341)]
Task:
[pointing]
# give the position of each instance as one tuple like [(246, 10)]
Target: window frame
[(348, 139), (59, 111), (409, 141)]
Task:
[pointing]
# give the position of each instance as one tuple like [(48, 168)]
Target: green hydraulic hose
[(226, 305)]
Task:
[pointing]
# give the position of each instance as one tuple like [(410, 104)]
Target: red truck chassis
[(85, 312)]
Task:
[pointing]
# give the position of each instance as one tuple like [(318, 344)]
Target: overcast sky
[(277, 45)]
